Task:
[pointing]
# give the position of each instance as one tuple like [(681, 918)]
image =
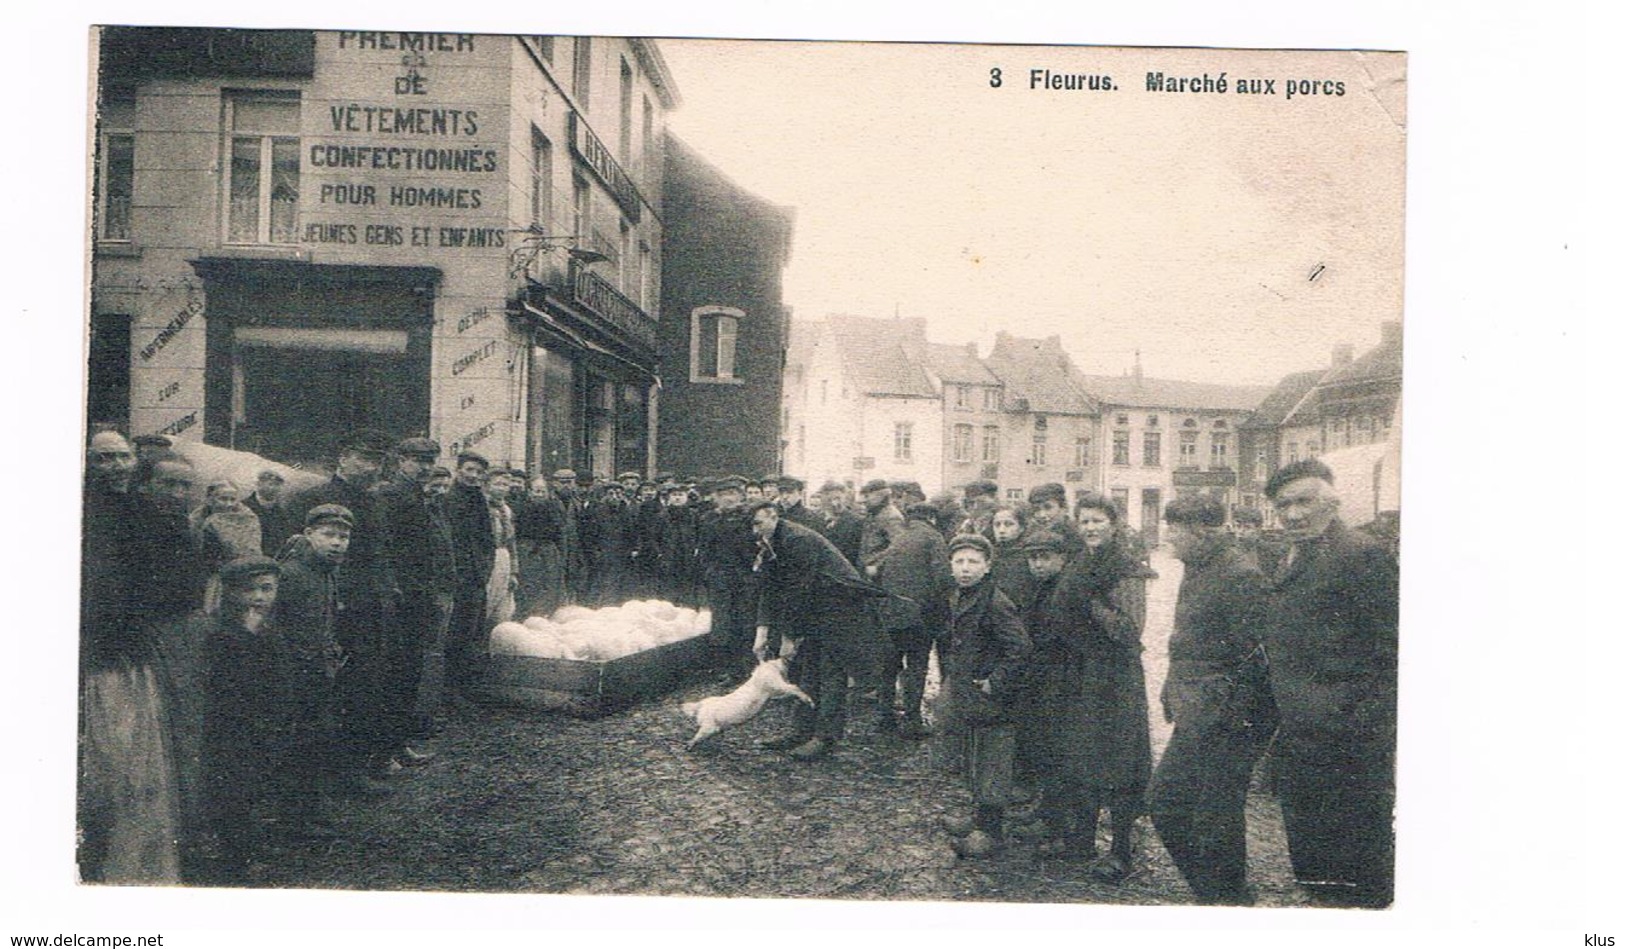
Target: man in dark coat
[(726, 552), (270, 507), (606, 536), (816, 603), (914, 570), (845, 527), (1331, 632), (370, 592), (882, 523), (474, 546), (570, 550), (679, 548), (792, 507), (416, 539), (1217, 697)]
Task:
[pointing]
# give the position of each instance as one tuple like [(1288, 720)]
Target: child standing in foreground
[(988, 646)]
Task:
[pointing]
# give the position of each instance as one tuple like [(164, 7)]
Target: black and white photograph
[(747, 472)]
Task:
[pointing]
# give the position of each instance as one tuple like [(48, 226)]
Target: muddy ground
[(527, 801)]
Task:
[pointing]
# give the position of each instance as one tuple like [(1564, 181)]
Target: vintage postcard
[(855, 471)]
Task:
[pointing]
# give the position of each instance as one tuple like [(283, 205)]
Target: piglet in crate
[(741, 705)]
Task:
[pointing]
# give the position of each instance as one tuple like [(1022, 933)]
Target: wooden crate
[(593, 688)]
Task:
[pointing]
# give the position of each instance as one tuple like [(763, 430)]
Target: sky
[(1182, 226)]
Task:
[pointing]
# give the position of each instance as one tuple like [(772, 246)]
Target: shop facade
[(302, 233)]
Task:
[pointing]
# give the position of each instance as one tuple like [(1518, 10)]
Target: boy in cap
[(981, 679)]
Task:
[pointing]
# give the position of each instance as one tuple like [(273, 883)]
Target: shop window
[(990, 443), (263, 186), (714, 344), (903, 441), (963, 436)]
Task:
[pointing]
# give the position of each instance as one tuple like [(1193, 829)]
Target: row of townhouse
[(298, 233), (872, 398)]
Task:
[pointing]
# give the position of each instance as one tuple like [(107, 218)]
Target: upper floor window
[(1151, 421), (544, 45), (263, 188), (990, 443), (992, 399), (1218, 451), (961, 397), (541, 177), (963, 436), (1040, 456), (115, 168), (1187, 450), (903, 441), (1151, 448), (624, 133), (1122, 420), (1119, 448), (581, 72), (651, 153), (714, 344), (580, 208), (1080, 452)]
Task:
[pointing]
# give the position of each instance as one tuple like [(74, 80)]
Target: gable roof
[(958, 364), (1285, 397), (882, 357), (1386, 361), (1149, 393), (1039, 372)]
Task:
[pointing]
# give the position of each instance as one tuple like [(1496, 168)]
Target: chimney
[(1392, 333), (1342, 355)]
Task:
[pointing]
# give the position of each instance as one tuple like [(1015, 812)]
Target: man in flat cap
[(474, 541), (791, 505), (572, 557), (845, 526), (882, 523), (1331, 631), (981, 498), (416, 537), (726, 552)]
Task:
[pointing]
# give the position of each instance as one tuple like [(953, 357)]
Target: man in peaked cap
[(416, 538)]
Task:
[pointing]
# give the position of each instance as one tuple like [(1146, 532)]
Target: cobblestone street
[(524, 801)]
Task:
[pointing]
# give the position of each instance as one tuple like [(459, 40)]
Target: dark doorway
[(1151, 516), (107, 396), (296, 404)]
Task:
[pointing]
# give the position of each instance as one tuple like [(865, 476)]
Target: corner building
[(299, 233)]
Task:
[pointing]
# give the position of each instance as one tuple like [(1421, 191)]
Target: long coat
[(914, 569), (987, 642), (416, 538), (1332, 634), (1086, 716), (473, 540)]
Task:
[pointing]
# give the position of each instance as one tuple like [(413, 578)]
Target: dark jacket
[(1087, 719), (799, 513), (987, 641), (809, 589), (1216, 669), (1332, 634), (914, 570), (472, 539), (415, 537), (110, 564), (366, 567), (1010, 572), (880, 531), (845, 531), (276, 523)]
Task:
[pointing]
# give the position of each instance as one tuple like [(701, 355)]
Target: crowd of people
[(246, 657)]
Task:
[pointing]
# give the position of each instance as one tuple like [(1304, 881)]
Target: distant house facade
[(1163, 438), (973, 423), (724, 327), (864, 406), (1050, 421)]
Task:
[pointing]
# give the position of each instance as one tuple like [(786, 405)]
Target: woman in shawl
[(1088, 726)]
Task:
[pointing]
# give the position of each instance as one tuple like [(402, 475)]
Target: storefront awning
[(548, 322)]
